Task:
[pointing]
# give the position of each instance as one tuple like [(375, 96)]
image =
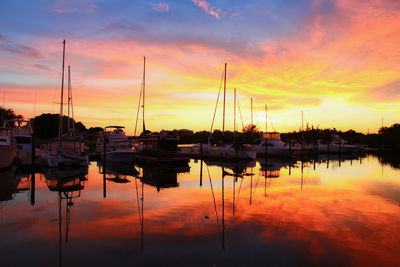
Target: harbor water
[(328, 211)]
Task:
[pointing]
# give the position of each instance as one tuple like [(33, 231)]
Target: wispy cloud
[(213, 11), (236, 14), (160, 7), (14, 48), (74, 6)]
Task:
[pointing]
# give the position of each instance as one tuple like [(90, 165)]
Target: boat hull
[(229, 153), (63, 159)]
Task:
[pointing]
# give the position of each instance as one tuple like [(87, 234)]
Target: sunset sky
[(338, 61)]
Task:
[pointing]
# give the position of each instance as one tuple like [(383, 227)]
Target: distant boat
[(8, 148), (68, 149), (118, 147), (160, 149), (228, 151), (337, 146)]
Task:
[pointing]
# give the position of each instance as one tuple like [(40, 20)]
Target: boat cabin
[(272, 136), (74, 145), (6, 136)]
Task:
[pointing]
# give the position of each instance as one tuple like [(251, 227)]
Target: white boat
[(118, 147), (68, 149), (7, 148), (22, 133), (337, 145), (228, 151), (272, 145)]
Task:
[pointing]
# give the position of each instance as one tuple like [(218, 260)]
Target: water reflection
[(8, 185), (162, 176), (293, 213), (118, 172), (68, 183)]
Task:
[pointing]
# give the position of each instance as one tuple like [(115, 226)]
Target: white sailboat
[(7, 147), (68, 149), (228, 151)]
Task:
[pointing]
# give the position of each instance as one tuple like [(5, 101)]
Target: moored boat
[(118, 147), (70, 148), (7, 147)]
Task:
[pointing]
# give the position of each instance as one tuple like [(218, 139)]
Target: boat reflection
[(238, 167), (8, 185), (162, 176), (68, 183), (271, 167), (118, 172)]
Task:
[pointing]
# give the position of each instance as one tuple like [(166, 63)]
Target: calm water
[(324, 213)]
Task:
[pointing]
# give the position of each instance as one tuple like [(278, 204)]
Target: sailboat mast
[(266, 118), (223, 121), (144, 92), (60, 125), (69, 95), (251, 105), (234, 111)]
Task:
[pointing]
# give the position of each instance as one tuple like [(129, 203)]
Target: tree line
[(46, 128)]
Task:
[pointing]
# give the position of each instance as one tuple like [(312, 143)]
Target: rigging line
[(215, 204), (258, 123), (240, 187), (138, 108), (273, 128), (216, 104), (240, 112), (137, 198)]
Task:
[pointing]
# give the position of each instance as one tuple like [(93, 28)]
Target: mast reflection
[(68, 183)]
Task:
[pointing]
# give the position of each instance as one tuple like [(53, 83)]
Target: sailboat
[(68, 149), (228, 151), (7, 147), (160, 149)]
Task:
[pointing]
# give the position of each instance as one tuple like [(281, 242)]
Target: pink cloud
[(236, 14), (74, 6), (213, 11), (160, 7)]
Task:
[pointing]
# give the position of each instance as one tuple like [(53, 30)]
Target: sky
[(337, 61)]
